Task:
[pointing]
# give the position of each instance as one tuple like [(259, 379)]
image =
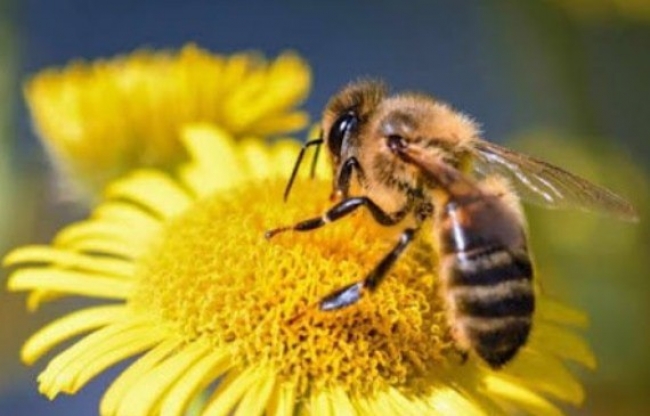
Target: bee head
[(345, 116)]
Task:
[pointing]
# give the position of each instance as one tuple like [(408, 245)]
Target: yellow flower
[(103, 118), (188, 284)]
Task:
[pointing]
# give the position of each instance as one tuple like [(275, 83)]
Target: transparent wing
[(542, 183)]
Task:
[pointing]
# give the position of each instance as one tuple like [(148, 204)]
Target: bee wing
[(542, 183)]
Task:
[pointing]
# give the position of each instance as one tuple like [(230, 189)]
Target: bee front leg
[(351, 294), (340, 210)]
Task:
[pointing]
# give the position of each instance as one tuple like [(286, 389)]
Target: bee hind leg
[(351, 293)]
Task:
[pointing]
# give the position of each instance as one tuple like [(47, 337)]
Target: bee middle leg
[(343, 208), (351, 293)]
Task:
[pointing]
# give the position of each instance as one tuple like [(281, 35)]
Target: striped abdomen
[(487, 277)]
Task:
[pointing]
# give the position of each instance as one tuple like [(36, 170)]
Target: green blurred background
[(566, 80)]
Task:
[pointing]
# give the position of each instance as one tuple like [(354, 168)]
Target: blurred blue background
[(565, 82)]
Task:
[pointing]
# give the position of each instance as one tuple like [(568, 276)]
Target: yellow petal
[(118, 212), (341, 403), (101, 237), (59, 374), (214, 155), (266, 95), (362, 405), (256, 399), (153, 190), (282, 122), (230, 392), (72, 260), (145, 398), (194, 178), (127, 381), (198, 377), (524, 397), (107, 354), (447, 401), (545, 373), (319, 404), (282, 401), (563, 343), (70, 282), (236, 68), (404, 405), (554, 311), (73, 324), (255, 159), (37, 297)]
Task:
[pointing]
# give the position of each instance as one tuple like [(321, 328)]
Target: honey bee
[(413, 160)]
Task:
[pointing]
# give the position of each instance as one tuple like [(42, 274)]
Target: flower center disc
[(213, 276)]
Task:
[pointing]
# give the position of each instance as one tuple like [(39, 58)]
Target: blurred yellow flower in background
[(101, 119), (174, 256)]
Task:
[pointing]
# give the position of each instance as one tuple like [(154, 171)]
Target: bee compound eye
[(340, 130)]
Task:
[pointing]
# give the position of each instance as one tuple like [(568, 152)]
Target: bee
[(413, 160)]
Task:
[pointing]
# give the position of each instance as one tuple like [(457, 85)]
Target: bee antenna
[(314, 159), (296, 166)]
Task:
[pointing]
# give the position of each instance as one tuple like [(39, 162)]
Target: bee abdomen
[(507, 299), (493, 301), (497, 340), (488, 267)]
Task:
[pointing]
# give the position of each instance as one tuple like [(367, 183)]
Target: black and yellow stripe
[(489, 277)]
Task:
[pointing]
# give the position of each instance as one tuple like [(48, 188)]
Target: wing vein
[(540, 182)]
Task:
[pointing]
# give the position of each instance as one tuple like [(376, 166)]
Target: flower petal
[(341, 403), (61, 374), (546, 373), (145, 397), (255, 158), (256, 398), (283, 122), (563, 343), (404, 405), (554, 311), (199, 376), (118, 212), (73, 324), (522, 396), (37, 297), (445, 400), (215, 164), (69, 282), (230, 391), (68, 259), (110, 353), (319, 404), (129, 379), (283, 399), (153, 190), (101, 237)]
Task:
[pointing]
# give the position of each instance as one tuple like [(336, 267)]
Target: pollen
[(213, 275)]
